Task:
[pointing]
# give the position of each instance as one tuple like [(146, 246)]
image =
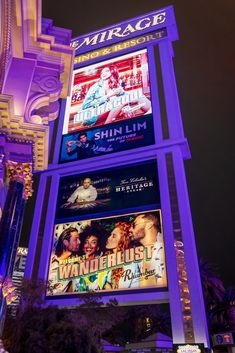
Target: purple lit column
[(10, 228), (191, 299)]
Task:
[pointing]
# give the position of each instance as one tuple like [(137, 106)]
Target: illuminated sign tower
[(112, 211)]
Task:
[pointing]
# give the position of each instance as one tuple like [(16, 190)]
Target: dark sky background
[(205, 74)]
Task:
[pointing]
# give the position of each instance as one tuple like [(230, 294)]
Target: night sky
[(205, 74)]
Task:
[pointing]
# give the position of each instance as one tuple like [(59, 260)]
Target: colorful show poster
[(117, 137), (108, 254), (108, 190), (109, 91)]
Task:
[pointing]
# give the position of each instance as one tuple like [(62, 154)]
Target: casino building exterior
[(115, 166)]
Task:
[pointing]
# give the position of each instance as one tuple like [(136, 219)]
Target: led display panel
[(108, 232), (108, 254), (113, 90), (110, 190), (109, 109)]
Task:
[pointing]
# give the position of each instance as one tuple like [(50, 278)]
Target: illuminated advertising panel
[(189, 348), (108, 232), (114, 90), (109, 109), (110, 190), (108, 254), (110, 138)]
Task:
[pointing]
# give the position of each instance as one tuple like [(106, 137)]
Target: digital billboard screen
[(107, 139), (113, 90), (108, 190), (108, 254), (109, 109)]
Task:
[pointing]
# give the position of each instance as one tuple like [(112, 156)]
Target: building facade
[(36, 62), (115, 173)]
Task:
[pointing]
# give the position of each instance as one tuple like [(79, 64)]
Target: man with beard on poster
[(145, 229), (67, 246)]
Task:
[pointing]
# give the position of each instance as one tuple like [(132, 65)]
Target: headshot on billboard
[(108, 254), (104, 191), (113, 90)]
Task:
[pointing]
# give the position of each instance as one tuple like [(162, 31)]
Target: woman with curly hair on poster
[(119, 240), (91, 245)]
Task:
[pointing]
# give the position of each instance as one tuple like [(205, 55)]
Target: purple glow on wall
[(175, 146)]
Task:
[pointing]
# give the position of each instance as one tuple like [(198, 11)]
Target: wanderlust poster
[(117, 137), (108, 190), (108, 254), (109, 91)]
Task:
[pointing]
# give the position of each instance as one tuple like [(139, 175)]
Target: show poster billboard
[(109, 109), (108, 254), (109, 91), (120, 136), (108, 190)]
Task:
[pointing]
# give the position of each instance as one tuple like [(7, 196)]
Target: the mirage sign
[(128, 29)]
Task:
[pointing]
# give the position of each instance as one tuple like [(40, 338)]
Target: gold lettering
[(129, 29), (159, 18), (133, 42), (120, 258), (150, 37), (74, 271), (84, 268), (114, 32), (102, 37), (95, 54), (89, 41), (111, 261), (141, 40), (139, 253), (94, 265), (64, 271), (81, 58), (117, 47), (129, 255), (138, 24), (74, 44), (103, 260), (148, 250), (107, 51), (126, 44)]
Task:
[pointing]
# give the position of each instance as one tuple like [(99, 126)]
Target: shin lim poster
[(116, 137)]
